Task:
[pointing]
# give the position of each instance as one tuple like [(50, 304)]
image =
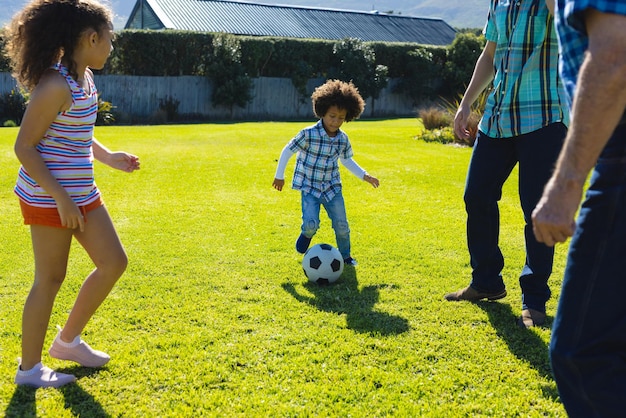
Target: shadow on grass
[(344, 297), (23, 402), (523, 343)]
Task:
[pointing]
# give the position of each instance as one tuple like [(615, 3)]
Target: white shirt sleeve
[(285, 156), (353, 167)]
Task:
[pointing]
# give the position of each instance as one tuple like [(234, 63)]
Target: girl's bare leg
[(103, 246), (51, 248)]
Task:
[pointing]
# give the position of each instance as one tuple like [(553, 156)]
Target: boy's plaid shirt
[(317, 167), (527, 94)]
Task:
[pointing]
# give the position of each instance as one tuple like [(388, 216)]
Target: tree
[(420, 76), (356, 62), (231, 85), (461, 59)]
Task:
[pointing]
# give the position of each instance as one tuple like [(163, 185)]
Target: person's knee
[(50, 280), (475, 198), (341, 228), (310, 227), (115, 265), (121, 263)]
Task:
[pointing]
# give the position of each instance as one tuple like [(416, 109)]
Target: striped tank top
[(66, 148)]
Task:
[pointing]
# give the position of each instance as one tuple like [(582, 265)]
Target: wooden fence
[(140, 97)]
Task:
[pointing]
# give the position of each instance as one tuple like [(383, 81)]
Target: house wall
[(273, 98)]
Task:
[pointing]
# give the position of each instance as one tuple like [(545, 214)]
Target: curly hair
[(48, 31), (338, 93)]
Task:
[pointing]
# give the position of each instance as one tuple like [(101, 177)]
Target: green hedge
[(140, 52), (425, 71), (151, 53)]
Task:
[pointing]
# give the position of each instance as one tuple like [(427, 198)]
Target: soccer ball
[(322, 264)]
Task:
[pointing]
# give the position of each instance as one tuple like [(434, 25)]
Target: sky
[(121, 10)]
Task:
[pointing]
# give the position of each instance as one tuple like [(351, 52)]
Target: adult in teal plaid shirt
[(588, 345), (524, 123)]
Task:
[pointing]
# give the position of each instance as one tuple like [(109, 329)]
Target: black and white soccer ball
[(322, 264)]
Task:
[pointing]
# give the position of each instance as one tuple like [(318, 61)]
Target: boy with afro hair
[(316, 175)]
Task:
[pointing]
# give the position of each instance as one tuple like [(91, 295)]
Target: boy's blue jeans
[(588, 345), (490, 166), (336, 210)]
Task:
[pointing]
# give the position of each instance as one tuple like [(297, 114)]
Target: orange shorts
[(34, 215)]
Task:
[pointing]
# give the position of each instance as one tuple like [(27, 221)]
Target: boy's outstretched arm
[(355, 169), (279, 177)]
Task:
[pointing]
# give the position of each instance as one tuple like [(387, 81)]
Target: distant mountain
[(457, 13)]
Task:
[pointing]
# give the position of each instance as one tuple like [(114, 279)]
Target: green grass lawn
[(214, 316)]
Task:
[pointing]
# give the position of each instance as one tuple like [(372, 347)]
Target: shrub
[(287, 58), (105, 113), (461, 59), (424, 71), (356, 61), (159, 117), (477, 110), (5, 64), (443, 136), (435, 118), (13, 105), (170, 106), (231, 84), (420, 77), (159, 53)]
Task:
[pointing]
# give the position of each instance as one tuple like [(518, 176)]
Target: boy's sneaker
[(302, 243), (41, 377), (77, 351), (350, 261)]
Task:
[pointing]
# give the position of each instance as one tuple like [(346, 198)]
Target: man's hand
[(553, 218), (461, 122)]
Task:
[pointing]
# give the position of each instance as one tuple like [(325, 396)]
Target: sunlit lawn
[(214, 316)]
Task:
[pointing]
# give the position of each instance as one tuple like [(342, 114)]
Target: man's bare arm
[(598, 106)]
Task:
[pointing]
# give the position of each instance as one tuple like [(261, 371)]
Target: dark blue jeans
[(491, 164), (588, 346)]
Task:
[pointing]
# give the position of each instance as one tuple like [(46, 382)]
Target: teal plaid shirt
[(527, 92)]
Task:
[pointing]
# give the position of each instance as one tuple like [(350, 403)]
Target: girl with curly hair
[(52, 45)]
